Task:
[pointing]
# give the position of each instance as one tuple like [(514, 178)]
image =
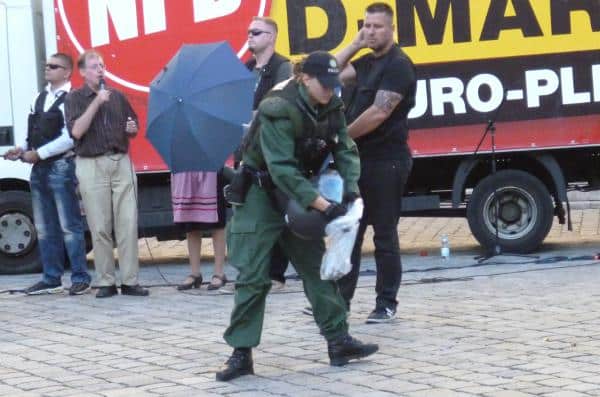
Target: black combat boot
[(345, 348), (240, 363)]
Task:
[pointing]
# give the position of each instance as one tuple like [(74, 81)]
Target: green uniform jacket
[(280, 128)]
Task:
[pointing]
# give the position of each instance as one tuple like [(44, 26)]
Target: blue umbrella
[(197, 105)]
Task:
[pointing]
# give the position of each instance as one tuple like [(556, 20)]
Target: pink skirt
[(194, 197)]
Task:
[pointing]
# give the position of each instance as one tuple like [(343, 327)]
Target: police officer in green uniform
[(299, 118)]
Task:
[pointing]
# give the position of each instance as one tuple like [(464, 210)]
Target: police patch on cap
[(324, 67)]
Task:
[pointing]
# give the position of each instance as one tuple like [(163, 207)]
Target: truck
[(523, 75)]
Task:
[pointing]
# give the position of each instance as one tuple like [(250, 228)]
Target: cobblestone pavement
[(511, 329)]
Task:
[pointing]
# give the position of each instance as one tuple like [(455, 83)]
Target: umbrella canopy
[(197, 105)]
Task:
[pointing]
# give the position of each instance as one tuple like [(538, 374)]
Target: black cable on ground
[(540, 261), (12, 291)]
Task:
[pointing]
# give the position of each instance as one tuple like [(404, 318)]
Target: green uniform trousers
[(252, 232)]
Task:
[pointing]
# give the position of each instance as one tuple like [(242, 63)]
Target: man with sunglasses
[(270, 69), (56, 211)]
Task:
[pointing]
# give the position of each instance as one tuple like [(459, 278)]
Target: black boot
[(240, 363), (345, 348)]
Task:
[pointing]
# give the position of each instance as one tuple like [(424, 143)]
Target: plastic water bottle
[(331, 186), (445, 250)]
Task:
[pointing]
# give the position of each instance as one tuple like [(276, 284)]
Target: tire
[(526, 211), (18, 238)]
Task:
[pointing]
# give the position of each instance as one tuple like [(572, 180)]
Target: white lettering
[(539, 83), (567, 87), (447, 90), (123, 14), (496, 89), (205, 10), (420, 100), (155, 17), (514, 95), (124, 17), (596, 82)]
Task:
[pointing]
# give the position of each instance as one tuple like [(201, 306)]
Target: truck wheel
[(18, 238), (525, 211)]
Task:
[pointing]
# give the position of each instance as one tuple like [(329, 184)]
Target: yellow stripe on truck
[(435, 31)]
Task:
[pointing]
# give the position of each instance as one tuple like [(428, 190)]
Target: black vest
[(44, 127), (266, 76)]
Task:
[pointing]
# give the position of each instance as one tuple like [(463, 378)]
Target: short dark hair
[(269, 21), (64, 58), (381, 7), (84, 57)]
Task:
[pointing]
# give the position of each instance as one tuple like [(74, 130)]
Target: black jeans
[(381, 187), (279, 264)]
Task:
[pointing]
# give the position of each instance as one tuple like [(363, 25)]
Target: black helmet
[(308, 224)]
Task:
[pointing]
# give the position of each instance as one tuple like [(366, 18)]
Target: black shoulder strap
[(59, 101), (39, 102), (41, 99)]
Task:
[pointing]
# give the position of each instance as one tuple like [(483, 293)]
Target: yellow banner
[(433, 31)]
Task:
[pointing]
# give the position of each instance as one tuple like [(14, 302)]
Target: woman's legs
[(194, 242)]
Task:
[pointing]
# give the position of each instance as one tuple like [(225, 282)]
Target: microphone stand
[(491, 129)]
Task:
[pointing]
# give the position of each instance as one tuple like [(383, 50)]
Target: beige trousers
[(108, 188)]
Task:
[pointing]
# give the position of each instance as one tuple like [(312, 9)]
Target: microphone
[(102, 83)]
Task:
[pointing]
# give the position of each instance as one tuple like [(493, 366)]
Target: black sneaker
[(381, 315), (41, 288), (79, 288)]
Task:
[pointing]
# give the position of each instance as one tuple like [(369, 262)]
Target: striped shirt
[(107, 131)]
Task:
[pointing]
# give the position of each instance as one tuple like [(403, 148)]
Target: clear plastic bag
[(340, 236)]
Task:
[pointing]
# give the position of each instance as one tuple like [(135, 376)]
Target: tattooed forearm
[(387, 100)]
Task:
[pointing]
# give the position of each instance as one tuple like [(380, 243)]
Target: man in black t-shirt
[(379, 91)]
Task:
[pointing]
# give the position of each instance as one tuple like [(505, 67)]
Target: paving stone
[(566, 393), (501, 330), (437, 393), (127, 392), (508, 393)]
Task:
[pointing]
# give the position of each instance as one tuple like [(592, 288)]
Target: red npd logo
[(139, 37)]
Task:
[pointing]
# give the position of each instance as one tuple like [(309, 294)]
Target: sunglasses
[(54, 66), (257, 32)]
